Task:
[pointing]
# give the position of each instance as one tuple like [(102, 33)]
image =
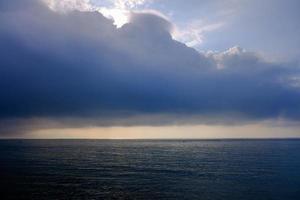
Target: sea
[(247, 169)]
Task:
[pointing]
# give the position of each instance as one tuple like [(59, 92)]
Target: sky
[(125, 69)]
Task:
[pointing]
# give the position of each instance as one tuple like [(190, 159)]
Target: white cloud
[(68, 5), (118, 10), (128, 4), (193, 34), (119, 16)]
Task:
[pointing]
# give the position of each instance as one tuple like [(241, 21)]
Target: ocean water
[(150, 169)]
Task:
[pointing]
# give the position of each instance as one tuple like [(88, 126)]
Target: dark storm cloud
[(79, 66)]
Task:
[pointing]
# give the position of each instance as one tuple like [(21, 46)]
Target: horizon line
[(233, 138)]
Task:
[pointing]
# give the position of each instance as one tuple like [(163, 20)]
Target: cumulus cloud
[(69, 5), (129, 4), (78, 69)]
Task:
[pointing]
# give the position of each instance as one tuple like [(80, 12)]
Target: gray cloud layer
[(78, 65)]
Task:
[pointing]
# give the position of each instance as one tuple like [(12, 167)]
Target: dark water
[(99, 169)]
